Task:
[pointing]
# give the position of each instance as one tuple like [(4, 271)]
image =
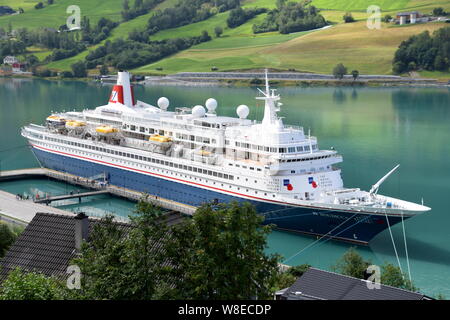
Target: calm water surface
[(373, 128)]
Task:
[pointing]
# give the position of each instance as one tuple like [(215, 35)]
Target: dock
[(71, 196), (23, 211)]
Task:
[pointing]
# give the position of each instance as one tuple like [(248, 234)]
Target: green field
[(16, 4), (55, 15), (119, 32), (360, 5), (369, 51)]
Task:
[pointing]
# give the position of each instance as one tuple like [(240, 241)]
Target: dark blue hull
[(340, 225)]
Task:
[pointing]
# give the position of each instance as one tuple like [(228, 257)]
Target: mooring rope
[(393, 244), (313, 243), (406, 249)]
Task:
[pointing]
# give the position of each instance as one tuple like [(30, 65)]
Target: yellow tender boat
[(75, 124), (106, 129), (158, 138)]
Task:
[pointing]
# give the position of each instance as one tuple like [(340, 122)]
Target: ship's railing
[(36, 127)]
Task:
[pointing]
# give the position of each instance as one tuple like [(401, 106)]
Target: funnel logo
[(288, 185), (117, 95), (312, 182)]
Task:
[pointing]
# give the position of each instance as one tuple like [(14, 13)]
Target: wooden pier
[(23, 211)]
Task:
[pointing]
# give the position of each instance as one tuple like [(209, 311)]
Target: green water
[(373, 128)]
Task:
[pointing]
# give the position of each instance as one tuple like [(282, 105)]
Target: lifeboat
[(56, 120), (158, 138), (75, 124), (106, 130)]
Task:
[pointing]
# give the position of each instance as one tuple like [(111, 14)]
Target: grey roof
[(47, 244), (407, 13), (317, 284)]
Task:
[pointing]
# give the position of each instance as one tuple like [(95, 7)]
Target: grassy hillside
[(119, 32), (55, 15), (369, 51)]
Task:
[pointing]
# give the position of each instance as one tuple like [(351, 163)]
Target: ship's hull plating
[(347, 226)]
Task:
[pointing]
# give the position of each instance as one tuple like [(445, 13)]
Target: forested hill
[(167, 36)]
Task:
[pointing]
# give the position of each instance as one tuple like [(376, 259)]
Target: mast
[(270, 109)]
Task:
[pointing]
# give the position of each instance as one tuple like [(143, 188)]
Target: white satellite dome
[(198, 111), (163, 103), (211, 105), (242, 111)]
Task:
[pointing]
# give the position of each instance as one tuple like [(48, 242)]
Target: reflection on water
[(373, 128), (339, 96)]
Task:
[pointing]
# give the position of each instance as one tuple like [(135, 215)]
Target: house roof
[(408, 13), (47, 244), (316, 284)]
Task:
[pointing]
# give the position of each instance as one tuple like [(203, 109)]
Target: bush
[(439, 11), (239, 16), (218, 31), (339, 71), (256, 81), (79, 69), (67, 74), (348, 17), (291, 17), (20, 285), (39, 5), (7, 238), (387, 18)]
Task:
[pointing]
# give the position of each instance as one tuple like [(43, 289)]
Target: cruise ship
[(191, 156)]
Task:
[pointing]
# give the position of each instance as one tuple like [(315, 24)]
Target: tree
[(218, 31), (339, 71), (7, 238), (219, 254), (205, 36), (126, 5), (79, 69), (125, 263), (104, 70), (440, 64), (439, 11), (100, 262), (392, 276), (387, 18), (21, 285), (355, 74), (348, 17), (352, 264)]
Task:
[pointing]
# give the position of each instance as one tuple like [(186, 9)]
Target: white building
[(10, 60)]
